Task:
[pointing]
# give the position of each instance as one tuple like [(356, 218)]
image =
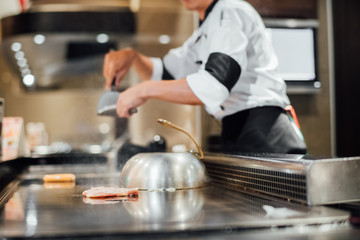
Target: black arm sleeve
[(224, 68), (166, 75)]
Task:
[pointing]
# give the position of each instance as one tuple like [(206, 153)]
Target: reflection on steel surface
[(161, 207), (109, 200), (13, 208), (51, 185)]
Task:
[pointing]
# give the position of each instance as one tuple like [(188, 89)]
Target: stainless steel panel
[(291, 177), (334, 181)]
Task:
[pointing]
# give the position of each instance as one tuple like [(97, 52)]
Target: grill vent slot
[(291, 186)]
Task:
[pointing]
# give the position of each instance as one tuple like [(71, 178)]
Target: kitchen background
[(66, 104)]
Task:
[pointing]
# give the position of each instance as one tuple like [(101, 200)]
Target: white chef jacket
[(235, 32)]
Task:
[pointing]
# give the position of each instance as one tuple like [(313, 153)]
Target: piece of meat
[(101, 192)]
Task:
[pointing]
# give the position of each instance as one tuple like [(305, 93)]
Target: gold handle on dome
[(200, 154)]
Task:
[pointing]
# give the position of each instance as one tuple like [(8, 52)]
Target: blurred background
[(51, 69)]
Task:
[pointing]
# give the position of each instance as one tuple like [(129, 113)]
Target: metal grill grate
[(290, 177), (260, 177)]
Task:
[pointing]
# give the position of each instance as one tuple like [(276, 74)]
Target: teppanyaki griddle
[(50, 212)]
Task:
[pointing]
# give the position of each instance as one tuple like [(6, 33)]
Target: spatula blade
[(107, 104)]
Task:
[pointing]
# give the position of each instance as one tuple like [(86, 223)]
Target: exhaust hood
[(62, 43)]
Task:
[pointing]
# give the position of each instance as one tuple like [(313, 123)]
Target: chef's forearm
[(176, 91), (142, 65)]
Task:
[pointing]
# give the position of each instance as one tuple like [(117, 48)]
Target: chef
[(229, 66)]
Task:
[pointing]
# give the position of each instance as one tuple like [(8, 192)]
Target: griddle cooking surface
[(38, 211)]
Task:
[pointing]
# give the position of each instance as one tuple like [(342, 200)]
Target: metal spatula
[(107, 103)]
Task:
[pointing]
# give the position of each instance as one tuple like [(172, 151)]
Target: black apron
[(261, 130)]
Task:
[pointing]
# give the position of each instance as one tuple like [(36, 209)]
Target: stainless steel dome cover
[(163, 171)]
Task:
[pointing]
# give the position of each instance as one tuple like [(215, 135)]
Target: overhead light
[(29, 80), (164, 39), (22, 62), (39, 39), (95, 149), (104, 128), (16, 46), (317, 84), (19, 55), (102, 38)]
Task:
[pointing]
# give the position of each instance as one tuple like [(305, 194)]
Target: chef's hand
[(117, 64), (130, 99)]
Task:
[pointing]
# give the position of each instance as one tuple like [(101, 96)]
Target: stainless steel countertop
[(37, 210)]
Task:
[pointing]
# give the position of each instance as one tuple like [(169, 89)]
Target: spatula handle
[(132, 111), (113, 84)]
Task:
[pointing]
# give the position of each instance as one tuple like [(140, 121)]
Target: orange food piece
[(59, 177)]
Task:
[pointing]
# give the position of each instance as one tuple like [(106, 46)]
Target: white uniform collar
[(208, 10)]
